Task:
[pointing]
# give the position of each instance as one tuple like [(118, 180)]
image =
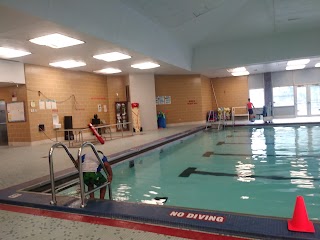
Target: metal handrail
[(53, 187), (79, 131), (82, 188)]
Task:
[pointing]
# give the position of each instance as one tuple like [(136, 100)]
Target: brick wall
[(17, 131), (76, 93), (208, 101), (231, 91), (116, 84), (186, 99)]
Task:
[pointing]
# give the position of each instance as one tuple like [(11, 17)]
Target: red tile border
[(189, 234)]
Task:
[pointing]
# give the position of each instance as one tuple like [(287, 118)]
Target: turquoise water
[(252, 170)]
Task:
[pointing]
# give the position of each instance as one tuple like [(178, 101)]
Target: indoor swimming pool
[(250, 170)]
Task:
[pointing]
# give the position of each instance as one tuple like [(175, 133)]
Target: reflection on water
[(268, 144), (122, 192), (245, 171), (255, 170)]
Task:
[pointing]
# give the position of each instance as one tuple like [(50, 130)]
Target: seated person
[(92, 172)]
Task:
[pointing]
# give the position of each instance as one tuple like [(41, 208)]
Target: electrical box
[(41, 127)]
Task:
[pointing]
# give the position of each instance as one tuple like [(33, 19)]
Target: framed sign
[(15, 112)]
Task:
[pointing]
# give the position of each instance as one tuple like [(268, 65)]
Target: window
[(257, 97), (283, 96)]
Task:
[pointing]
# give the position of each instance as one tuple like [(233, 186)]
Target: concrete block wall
[(76, 93), (231, 91), (18, 132), (208, 101), (186, 98)]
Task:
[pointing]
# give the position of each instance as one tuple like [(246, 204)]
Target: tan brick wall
[(76, 93), (116, 84), (231, 91), (186, 99), (17, 131), (208, 102)]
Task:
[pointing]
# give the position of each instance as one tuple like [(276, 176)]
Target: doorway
[(3, 124), (308, 100)]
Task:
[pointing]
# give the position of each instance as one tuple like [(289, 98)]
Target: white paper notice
[(48, 104), (41, 105), (105, 109), (54, 104)]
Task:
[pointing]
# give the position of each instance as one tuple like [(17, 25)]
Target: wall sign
[(160, 100), (15, 112)]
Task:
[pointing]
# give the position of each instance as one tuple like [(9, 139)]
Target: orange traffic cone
[(300, 221)]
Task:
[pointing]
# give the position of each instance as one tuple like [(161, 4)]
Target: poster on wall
[(160, 100), (163, 100), (15, 112), (167, 99), (42, 105)]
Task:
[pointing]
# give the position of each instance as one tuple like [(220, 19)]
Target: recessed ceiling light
[(240, 73), (56, 40), (238, 69), (12, 53), (145, 65), (68, 64), (295, 67), (112, 56), (298, 62), (317, 65), (108, 71)]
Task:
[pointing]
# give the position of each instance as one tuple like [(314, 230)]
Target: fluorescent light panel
[(239, 69), (108, 71), (112, 56), (298, 62), (295, 67), (11, 53), (56, 40), (317, 65), (240, 73), (145, 65), (68, 64)]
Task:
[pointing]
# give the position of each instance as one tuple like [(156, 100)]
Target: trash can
[(161, 120)]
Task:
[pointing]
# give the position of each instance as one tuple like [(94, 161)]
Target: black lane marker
[(207, 154), (189, 171)]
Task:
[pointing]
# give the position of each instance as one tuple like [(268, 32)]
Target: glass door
[(308, 100), (302, 102), (314, 99)]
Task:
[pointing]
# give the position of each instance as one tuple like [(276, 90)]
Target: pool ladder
[(79, 168)]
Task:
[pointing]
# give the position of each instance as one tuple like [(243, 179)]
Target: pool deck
[(120, 220)]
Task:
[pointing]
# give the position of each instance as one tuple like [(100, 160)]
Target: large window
[(257, 97), (283, 96)]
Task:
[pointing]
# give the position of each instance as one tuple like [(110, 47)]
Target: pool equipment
[(93, 129), (300, 221), (136, 117)]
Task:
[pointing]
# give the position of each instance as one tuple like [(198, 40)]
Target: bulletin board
[(15, 112)]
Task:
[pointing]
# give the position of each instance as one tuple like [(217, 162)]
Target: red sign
[(192, 102)]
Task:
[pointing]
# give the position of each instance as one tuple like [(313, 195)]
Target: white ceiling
[(194, 23)]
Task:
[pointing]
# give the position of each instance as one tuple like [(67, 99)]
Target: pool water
[(250, 170)]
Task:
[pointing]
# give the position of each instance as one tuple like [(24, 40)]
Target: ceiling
[(197, 24)]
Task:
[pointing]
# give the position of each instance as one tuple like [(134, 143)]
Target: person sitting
[(92, 175)]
